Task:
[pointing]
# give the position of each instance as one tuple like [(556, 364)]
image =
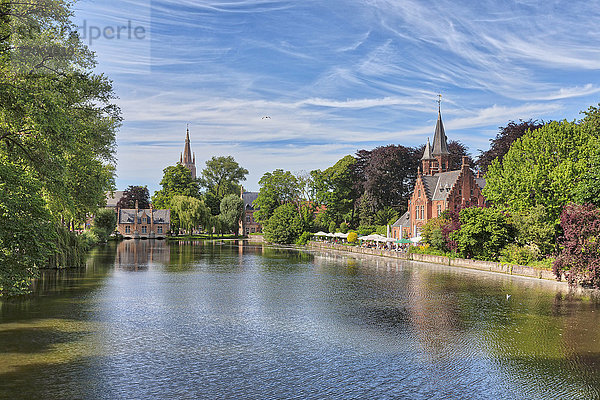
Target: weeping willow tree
[(190, 211)]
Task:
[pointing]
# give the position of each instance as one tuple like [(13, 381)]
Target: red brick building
[(436, 188), (248, 224)]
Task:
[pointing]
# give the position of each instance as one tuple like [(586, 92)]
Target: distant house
[(437, 189), (248, 224), (143, 223)]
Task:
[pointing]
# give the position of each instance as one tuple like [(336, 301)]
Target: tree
[(579, 254), (387, 174), (26, 235), (232, 210), (284, 226), (386, 216), (177, 181), (335, 189), (190, 211), (133, 194), (276, 189), (541, 168), (483, 233), (105, 222), (222, 176), (501, 144), (533, 228), (332, 227)]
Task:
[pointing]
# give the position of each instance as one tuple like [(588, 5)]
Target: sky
[(332, 76)]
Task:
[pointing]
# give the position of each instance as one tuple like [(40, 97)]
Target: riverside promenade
[(502, 268)]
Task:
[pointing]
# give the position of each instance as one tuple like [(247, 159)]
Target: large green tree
[(57, 124), (285, 225), (191, 212), (232, 209), (335, 189), (483, 233), (221, 176), (276, 188), (543, 167)]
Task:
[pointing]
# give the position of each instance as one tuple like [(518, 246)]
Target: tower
[(187, 159), (437, 159)]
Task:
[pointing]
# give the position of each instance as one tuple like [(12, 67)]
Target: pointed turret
[(427, 153), (188, 159), (440, 141)]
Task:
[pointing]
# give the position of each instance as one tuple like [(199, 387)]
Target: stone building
[(138, 223), (437, 189), (248, 224), (187, 158)]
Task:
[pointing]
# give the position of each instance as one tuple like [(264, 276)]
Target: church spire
[(427, 153), (440, 141), (188, 159)]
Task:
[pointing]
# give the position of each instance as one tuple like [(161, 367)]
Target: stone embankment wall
[(509, 269)]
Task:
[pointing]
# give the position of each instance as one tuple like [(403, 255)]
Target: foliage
[(232, 209), (343, 227), (541, 168), (284, 226), (366, 229), (334, 188), (366, 209), (518, 254), (387, 174), (501, 144), (332, 227), (221, 177), (588, 189), (579, 252), (386, 216), (483, 233), (133, 193), (105, 222), (177, 181), (190, 211), (26, 234), (427, 249), (352, 237), (277, 188), (533, 229), (437, 231), (304, 238)]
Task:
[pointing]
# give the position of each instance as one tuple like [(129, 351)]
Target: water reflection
[(226, 319)]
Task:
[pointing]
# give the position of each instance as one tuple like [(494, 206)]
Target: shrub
[(522, 255), (366, 229), (304, 238), (284, 226), (352, 237), (343, 227), (332, 227)]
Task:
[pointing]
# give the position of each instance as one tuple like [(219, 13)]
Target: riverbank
[(501, 268)]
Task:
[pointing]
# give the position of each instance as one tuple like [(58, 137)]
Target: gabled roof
[(427, 153), (127, 215), (403, 221), (438, 186), (248, 198), (440, 141), (480, 182), (112, 200)]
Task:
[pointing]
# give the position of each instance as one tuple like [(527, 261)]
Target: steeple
[(188, 159), (440, 141)]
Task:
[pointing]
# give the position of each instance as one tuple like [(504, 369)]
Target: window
[(419, 193), (144, 229), (148, 220), (127, 229), (159, 229), (471, 191), (247, 231), (439, 210), (252, 230), (248, 219), (139, 220)]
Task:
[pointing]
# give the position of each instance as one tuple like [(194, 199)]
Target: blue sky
[(333, 76)]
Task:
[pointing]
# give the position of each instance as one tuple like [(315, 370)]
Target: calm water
[(149, 319)]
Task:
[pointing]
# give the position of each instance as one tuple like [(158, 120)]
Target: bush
[(304, 238), (332, 227), (366, 229), (483, 233), (522, 255), (343, 227), (284, 226), (352, 237)]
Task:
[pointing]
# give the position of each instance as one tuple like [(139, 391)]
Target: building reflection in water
[(139, 255)]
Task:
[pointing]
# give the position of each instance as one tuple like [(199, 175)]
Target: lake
[(228, 320)]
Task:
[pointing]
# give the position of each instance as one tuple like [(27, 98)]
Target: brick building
[(138, 223), (436, 188), (248, 224)]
